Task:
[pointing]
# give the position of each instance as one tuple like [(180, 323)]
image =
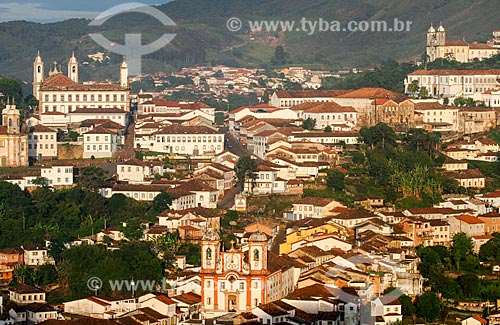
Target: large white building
[(183, 140), (58, 93), (454, 83)]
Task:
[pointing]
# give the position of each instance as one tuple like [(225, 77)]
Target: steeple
[(38, 74), (124, 73), (73, 68)]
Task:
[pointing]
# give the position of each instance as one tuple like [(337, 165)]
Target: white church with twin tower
[(61, 94)]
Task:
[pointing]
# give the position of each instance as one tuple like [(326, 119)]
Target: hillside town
[(312, 207)]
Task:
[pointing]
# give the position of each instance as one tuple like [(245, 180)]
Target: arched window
[(39, 69), (74, 69), (256, 256), (209, 254)]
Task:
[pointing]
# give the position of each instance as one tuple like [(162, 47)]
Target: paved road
[(232, 145)]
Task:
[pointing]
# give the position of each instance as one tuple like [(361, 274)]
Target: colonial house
[(42, 142), (288, 98), (201, 218), (438, 117), (58, 174), (35, 255), (312, 207), (386, 310), (472, 226), (469, 178), (100, 143), (331, 114), (138, 171)]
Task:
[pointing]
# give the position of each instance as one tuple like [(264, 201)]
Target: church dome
[(441, 28), (211, 235), (257, 236), (431, 29)]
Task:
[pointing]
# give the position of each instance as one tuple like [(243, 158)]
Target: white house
[(100, 143), (35, 255), (58, 174), (388, 308), (24, 294), (42, 142), (137, 171)]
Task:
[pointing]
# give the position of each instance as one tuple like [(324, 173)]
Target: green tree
[(280, 56), (328, 128), (428, 306), (11, 88), (413, 87), (92, 178), (335, 180), (309, 124), (407, 307), (245, 168), (161, 202), (462, 246), (133, 230)]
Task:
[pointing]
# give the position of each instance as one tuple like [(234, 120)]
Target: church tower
[(441, 35), (11, 118), (37, 75), (210, 251), (257, 252), (124, 74), (73, 68)]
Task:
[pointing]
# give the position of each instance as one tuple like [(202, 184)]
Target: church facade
[(459, 50), (13, 142), (237, 280), (61, 94)]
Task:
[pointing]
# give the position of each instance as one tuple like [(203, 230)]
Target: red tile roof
[(330, 107), (455, 42), (309, 93), (181, 129), (371, 93), (469, 219), (61, 82), (433, 72)]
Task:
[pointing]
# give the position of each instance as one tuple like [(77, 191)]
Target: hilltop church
[(459, 50), (61, 94)]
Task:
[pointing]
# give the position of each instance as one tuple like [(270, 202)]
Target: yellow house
[(307, 234)]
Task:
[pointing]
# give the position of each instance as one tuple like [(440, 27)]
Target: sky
[(45, 11)]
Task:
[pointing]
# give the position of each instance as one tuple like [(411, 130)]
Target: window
[(208, 254), (256, 256)]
